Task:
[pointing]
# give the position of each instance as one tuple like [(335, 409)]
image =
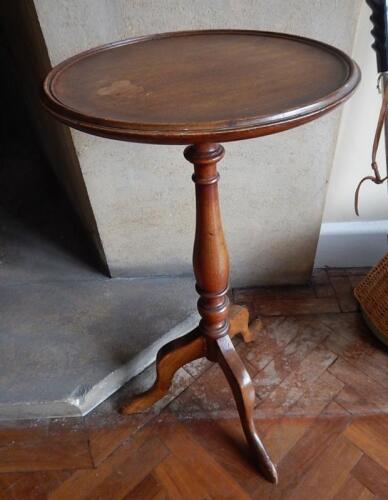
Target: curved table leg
[(169, 359), (239, 323), (244, 394), (179, 352)]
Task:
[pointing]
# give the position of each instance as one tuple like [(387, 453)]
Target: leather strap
[(376, 178)]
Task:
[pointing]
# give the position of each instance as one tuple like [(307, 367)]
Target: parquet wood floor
[(322, 410)]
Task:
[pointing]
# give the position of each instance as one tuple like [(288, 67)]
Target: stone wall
[(272, 189)]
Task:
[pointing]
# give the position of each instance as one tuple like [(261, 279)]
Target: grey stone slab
[(66, 346)]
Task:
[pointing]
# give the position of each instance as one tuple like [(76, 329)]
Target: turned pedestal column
[(210, 255)]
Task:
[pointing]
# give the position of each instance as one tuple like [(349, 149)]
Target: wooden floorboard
[(372, 476), (321, 410)]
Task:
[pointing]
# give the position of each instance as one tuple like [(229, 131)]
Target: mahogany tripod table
[(201, 88)]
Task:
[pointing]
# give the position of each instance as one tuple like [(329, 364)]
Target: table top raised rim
[(215, 131)]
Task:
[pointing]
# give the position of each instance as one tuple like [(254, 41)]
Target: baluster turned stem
[(210, 256)]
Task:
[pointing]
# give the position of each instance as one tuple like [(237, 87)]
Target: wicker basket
[(372, 294)]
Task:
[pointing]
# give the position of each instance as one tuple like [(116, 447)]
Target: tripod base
[(194, 345)]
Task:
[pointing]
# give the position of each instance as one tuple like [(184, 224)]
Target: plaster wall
[(272, 189), (345, 239), (353, 154)]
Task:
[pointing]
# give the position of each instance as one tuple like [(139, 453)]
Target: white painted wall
[(348, 240), (272, 189)]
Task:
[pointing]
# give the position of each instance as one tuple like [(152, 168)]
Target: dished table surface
[(183, 87)]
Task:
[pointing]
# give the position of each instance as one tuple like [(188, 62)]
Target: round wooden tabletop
[(199, 86)]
